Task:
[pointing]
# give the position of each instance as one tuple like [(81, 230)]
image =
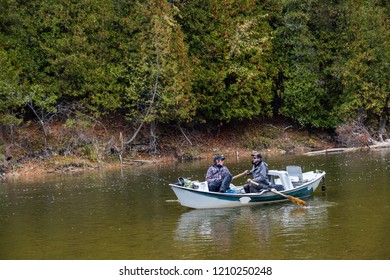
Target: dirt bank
[(276, 137), (267, 137)]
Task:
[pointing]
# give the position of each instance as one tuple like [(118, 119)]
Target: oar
[(239, 175), (289, 197)]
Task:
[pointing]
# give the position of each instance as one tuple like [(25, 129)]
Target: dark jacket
[(259, 172), (217, 173)]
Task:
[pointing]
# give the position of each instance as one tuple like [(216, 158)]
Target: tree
[(10, 94), (229, 44), (159, 83), (366, 69), (303, 62)]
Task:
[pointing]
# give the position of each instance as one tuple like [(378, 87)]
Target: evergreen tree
[(304, 55), (229, 44), (366, 69)]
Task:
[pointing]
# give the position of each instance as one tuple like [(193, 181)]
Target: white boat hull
[(204, 199)]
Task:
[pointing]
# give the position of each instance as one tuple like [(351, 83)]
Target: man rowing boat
[(259, 171)]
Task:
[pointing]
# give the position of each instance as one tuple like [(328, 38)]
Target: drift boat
[(289, 183)]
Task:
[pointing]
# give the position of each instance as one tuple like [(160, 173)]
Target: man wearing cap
[(218, 176), (259, 171)]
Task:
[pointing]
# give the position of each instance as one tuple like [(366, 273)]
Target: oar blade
[(298, 201)]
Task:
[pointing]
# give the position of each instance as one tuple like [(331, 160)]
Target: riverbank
[(238, 139)]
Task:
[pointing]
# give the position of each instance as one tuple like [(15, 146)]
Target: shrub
[(353, 135)]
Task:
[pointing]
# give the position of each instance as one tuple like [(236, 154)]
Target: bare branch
[(181, 129)]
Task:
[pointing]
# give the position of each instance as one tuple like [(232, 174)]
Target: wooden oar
[(293, 199), (239, 175)]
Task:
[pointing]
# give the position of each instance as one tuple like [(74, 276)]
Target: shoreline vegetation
[(233, 140), (123, 83)]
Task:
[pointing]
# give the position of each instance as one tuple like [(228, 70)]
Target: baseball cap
[(219, 157), (256, 154)]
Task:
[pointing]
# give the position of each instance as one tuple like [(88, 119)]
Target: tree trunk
[(383, 120), (153, 137)]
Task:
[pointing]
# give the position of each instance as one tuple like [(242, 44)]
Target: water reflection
[(128, 215), (222, 230)]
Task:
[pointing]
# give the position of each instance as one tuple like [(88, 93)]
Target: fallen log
[(342, 150), (327, 151)]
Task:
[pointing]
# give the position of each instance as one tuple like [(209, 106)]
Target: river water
[(133, 214)]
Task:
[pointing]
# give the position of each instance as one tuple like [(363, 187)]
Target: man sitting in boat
[(259, 171), (218, 176)]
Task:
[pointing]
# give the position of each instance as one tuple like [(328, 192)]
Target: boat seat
[(277, 187), (295, 174)]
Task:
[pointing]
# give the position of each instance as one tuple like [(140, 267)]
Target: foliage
[(229, 44), (9, 91), (161, 85), (366, 69), (317, 62), (305, 46)]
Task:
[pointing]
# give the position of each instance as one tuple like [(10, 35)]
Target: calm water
[(129, 215)]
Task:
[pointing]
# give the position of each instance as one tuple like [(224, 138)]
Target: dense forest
[(322, 64)]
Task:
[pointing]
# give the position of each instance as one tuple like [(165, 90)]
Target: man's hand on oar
[(293, 199)]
